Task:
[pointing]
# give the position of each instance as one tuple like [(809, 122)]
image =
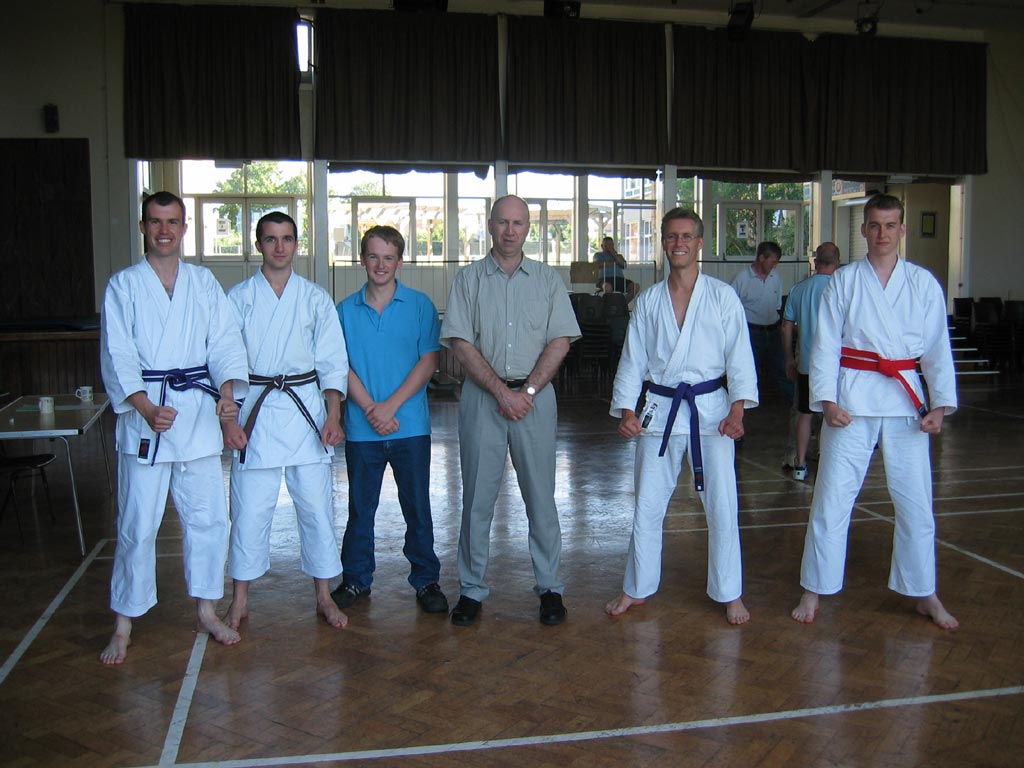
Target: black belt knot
[(281, 383)]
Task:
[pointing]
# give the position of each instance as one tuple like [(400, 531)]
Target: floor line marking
[(961, 550), (41, 622), (613, 733), (981, 559), (176, 729)]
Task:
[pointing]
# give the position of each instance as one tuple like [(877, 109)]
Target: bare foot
[(237, 611), (622, 603), (736, 612), (208, 621), (932, 608), (806, 610), (332, 614), (239, 608), (325, 605), (117, 648)]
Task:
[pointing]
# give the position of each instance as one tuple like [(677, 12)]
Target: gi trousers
[(843, 463), (254, 497), (197, 487), (655, 479)]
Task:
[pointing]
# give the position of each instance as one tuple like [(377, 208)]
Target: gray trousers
[(486, 439)]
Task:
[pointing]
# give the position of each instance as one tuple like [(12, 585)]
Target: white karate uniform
[(905, 320), (293, 334), (712, 342), (142, 328)]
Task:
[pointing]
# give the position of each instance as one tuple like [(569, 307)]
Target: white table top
[(21, 418)]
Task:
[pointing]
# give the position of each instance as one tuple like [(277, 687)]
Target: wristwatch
[(531, 390)]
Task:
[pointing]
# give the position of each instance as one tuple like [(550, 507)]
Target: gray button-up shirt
[(510, 319)]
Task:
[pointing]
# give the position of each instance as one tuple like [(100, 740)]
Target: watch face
[(531, 391)]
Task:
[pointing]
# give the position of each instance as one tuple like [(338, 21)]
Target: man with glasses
[(686, 334)]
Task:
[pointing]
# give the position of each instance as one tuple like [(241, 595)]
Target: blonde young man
[(172, 360), (298, 375), (686, 334), (877, 320), (392, 332)]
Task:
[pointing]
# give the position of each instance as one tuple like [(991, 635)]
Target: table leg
[(106, 461), (74, 495)]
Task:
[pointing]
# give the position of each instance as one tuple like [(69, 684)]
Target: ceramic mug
[(46, 405), (84, 393)]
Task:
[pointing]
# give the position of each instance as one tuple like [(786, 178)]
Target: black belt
[(515, 383), (679, 393), (179, 379), (286, 384), (771, 327)]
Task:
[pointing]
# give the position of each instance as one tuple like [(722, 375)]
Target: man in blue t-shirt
[(392, 336), (802, 311)]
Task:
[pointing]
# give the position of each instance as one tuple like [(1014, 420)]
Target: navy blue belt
[(679, 393), (179, 379), (286, 384)]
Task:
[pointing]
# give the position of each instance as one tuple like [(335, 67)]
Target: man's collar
[(494, 266)]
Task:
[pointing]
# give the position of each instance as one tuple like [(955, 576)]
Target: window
[(747, 214), (412, 203), (225, 200), (624, 210)]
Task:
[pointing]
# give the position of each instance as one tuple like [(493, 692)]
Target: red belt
[(862, 360)]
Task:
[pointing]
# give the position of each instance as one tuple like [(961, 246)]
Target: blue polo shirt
[(382, 350)]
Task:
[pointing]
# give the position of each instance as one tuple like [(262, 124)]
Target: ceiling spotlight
[(741, 17), (867, 19), (867, 25)]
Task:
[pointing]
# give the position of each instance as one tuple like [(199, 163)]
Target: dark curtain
[(901, 105), (408, 88), (743, 104), (211, 81), (586, 92)]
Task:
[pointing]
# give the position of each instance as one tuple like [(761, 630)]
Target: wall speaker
[(561, 9), (51, 118)]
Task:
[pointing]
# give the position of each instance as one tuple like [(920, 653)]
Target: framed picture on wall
[(928, 223)]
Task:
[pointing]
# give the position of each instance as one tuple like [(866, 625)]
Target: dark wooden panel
[(46, 246), (38, 363)]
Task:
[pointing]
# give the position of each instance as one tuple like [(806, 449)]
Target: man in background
[(801, 312)]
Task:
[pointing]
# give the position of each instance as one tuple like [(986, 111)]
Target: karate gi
[(144, 329), (293, 334), (712, 342), (905, 320)]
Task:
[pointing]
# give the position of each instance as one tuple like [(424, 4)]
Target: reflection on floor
[(669, 684)]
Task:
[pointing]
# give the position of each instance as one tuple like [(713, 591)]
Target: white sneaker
[(800, 472)]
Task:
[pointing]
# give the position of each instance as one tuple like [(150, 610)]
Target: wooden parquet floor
[(870, 683)]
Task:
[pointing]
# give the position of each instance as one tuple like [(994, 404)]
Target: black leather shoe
[(552, 612), (465, 611)]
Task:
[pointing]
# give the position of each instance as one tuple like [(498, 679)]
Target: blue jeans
[(410, 462)]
